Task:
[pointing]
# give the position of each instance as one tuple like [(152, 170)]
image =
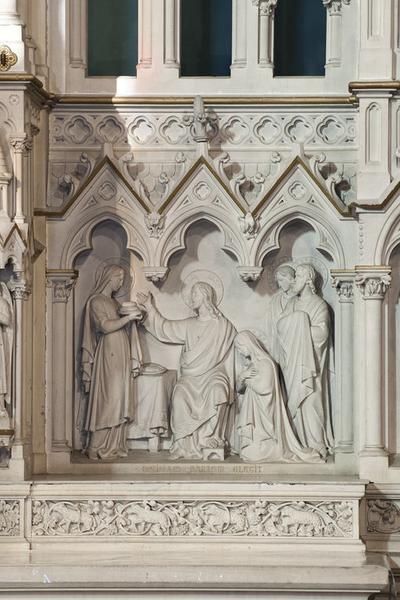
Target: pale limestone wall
[(292, 168)]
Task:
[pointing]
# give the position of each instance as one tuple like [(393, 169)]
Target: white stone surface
[(200, 177)]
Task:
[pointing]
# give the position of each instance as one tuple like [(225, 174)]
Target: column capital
[(334, 7), (62, 282), (20, 289), (266, 7), (21, 144), (373, 282), (343, 282)]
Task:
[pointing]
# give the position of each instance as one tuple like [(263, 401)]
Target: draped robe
[(305, 340), (204, 390), (275, 310), (106, 366), (264, 429), (6, 346)]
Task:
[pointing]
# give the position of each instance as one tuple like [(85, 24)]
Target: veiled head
[(249, 346), (113, 276)]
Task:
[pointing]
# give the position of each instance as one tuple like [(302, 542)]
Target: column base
[(59, 461), (344, 448), (19, 466), (373, 466)]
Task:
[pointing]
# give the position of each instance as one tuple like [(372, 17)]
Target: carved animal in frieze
[(215, 517), (137, 515), (64, 516), (293, 518), (289, 520)]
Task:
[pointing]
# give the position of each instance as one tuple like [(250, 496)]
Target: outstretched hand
[(145, 301), (249, 373)]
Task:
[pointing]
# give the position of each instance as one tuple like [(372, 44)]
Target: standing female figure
[(106, 368)]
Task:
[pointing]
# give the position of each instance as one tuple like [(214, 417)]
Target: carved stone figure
[(263, 427), (305, 340), (284, 277), (107, 367), (6, 346), (204, 390)]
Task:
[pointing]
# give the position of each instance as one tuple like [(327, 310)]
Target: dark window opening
[(206, 37), (300, 38), (112, 37)]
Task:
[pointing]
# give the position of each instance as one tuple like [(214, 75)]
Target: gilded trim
[(188, 100), (61, 272), (27, 78), (7, 431), (378, 268), (382, 205), (10, 233), (358, 86), (199, 162), (105, 161), (296, 162)]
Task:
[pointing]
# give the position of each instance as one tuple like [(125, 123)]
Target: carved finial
[(249, 226), (155, 224), (199, 121)]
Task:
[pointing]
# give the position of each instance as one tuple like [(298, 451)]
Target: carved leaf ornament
[(257, 518)]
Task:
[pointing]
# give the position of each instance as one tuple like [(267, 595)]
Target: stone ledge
[(311, 581)]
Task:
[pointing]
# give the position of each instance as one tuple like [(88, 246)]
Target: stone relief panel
[(249, 129), (382, 517), (280, 129), (232, 417), (143, 144), (179, 331), (10, 518), (259, 518)]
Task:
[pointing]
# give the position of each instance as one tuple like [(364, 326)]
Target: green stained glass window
[(112, 37), (300, 38), (206, 37)]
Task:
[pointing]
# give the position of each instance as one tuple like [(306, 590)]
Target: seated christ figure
[(204, 391)]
